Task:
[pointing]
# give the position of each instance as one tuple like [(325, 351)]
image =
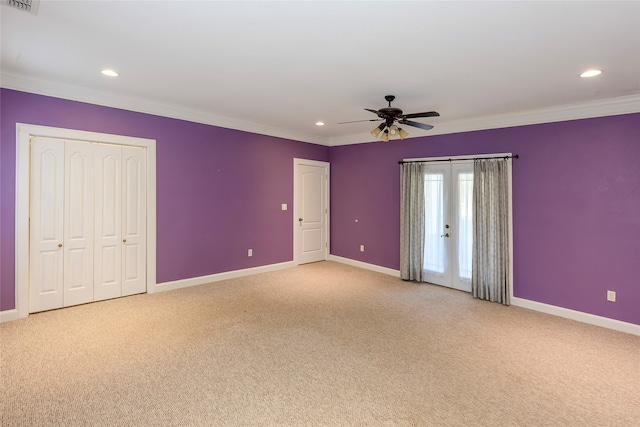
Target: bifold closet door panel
[(78, 222), (46, 214), (134, 221), (108, 222)]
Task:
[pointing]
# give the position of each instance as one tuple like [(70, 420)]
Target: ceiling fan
[(389, 116)]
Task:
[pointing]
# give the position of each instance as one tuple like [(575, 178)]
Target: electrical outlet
[(611, 296), (361, 248), (250, 252)]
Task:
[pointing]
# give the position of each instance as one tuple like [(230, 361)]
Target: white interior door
[(311, 211), (108, 227), (46, 287), (134, 221), (78, 222), (448, 224)]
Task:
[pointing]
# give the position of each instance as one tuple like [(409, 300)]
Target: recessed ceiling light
[(319, 123), (591, 73), (110, 73)]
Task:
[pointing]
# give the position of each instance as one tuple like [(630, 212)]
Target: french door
[(448, 191)]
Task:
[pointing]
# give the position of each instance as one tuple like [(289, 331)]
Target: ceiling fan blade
[(356, 121), (416, 124), (425, 114), (376, 112)]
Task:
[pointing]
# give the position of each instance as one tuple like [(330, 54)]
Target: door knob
[(124, 240), (444, 235), (59, 245)]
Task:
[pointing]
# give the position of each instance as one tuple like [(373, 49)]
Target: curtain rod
[(515, 156)]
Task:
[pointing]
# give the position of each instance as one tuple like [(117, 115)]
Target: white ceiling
[(278, 67)]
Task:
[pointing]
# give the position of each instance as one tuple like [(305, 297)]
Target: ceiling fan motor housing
[(390, 114)]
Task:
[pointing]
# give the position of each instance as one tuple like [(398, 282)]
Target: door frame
[(24, 133), (297, 162)]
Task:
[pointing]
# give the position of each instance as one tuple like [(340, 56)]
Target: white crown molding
[(75, 93), (601, 108)]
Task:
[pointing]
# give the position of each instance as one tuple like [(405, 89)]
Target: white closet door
[(134, 216), (78, 223), (46, 224), (108, 223)]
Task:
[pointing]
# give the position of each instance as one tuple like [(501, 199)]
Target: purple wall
[(576, 207), (576, 198), (219, 191)]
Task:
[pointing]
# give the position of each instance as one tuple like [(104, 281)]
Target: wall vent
[(30, 6)]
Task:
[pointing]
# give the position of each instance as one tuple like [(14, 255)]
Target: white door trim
[(297, 162), (24, 132)]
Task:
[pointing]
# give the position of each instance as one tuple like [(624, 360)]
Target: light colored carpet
[(322, 344)]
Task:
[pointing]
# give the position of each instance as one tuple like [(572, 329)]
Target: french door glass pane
[(465, 224), (435, 254)]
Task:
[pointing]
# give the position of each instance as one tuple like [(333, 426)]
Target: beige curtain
[(411, 221), (490, 275)]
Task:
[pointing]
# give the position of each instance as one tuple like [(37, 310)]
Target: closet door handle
[(59, 245), (124, 240)]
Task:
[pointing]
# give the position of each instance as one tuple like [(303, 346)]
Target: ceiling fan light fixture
[(385, 135), (375, 132), (393, 129), (402, 133)]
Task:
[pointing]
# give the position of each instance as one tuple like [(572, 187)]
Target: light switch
[(284, 206)]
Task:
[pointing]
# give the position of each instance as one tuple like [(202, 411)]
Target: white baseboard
[(9, 315), (580, 316), (592, 319), (202, 280), (367, 266)]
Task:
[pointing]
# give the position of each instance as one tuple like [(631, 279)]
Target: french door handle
[(444, 235)]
